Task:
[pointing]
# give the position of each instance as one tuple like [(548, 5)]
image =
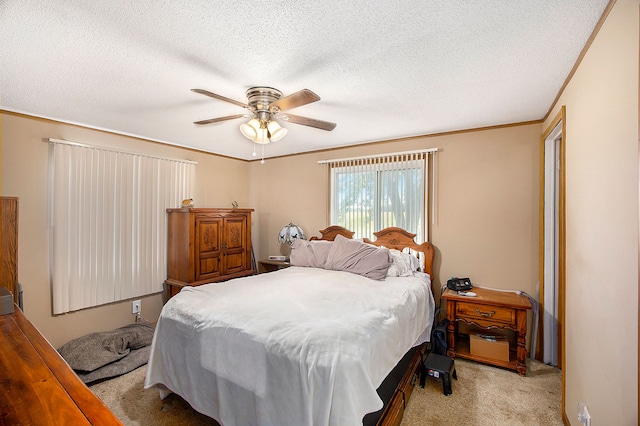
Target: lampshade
[(276, 131), (250, 128), (289, 233), (262, 137)]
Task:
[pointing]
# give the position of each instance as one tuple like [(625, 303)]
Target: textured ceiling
[(385, 69)]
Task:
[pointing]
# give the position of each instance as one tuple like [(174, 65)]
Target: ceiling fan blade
[(302, 97), (215, 120), (306, 121), (220, 97)]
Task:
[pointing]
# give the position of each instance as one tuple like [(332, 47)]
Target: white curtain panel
[(108, 216)]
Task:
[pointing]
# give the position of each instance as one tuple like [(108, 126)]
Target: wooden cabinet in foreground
[(9, 245), (207, 245), (38, 386)]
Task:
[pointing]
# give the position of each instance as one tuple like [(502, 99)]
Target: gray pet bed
[(106, 354)]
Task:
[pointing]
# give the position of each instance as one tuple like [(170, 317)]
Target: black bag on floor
[(439, 338)]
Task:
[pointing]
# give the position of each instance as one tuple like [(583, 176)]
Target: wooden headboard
[(392, 238), (330, 233), (399, 239)]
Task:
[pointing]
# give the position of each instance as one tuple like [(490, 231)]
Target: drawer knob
[(485, 314)]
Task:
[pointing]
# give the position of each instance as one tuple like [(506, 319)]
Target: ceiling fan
[(267, 104)]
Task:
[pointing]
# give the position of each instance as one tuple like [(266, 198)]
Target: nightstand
[(267, 265), (490, 309)]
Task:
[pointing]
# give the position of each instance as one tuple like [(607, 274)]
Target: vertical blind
[(372, 193), (108, 218)]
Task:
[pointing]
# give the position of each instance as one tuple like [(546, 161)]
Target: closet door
[(9, 245)]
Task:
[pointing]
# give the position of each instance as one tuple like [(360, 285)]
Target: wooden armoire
[(9, 245), (206, 245)]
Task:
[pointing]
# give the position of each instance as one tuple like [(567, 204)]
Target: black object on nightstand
[(440, 367)]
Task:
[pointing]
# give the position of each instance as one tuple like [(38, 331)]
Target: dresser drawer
[(478, 311)]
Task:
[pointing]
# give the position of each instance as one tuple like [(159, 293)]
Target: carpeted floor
[(485, 395), (482, 395)]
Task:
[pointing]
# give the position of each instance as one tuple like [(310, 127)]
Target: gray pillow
[(359, 258), (311, 254)]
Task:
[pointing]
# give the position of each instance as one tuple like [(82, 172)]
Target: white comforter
[(300, 346)]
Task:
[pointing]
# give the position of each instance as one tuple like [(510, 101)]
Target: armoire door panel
[(235, 233), (235, 262), (209, 231), (208, 268)]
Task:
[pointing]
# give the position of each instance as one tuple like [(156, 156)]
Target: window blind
[(108, 219), (375, 192)]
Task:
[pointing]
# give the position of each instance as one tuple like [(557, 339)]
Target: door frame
[(549, 293), (560, 118)]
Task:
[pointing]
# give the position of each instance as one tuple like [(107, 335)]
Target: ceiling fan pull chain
[(254, 149), (262, 161)]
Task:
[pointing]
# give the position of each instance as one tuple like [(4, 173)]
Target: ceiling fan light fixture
[(250, 129), (276, 131), (262, 137), (266, 103)]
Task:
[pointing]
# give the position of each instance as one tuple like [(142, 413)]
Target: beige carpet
[(482, 395)]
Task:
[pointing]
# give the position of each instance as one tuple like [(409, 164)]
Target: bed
[(307, 345)]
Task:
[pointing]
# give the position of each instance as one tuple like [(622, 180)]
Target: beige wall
[(219, 182), (487, 225), (602, 224)]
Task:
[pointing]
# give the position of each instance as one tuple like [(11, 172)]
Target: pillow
[(309, 253), (402, 264), (359, 258)]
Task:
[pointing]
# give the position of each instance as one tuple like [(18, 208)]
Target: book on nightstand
[(279, 258)]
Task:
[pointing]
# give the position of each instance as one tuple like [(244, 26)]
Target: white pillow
[(402, 264)]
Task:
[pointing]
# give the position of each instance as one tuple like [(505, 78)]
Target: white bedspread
[(300, 346)]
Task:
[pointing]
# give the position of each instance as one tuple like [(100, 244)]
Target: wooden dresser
[(207, 245), (9, 245), (38, 386)]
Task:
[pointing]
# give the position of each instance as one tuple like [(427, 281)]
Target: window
[(372, 193), (108, 218)]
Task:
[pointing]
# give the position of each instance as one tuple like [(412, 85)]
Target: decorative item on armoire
[(187, 203)]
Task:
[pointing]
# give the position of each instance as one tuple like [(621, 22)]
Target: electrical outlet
[(583, 414), (136, 307)]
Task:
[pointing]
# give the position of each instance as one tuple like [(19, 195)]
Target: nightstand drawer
[(486, 312)]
